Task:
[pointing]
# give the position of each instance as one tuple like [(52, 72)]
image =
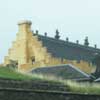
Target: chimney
[(45, 34), (95, 46), (24, 26), (86, 42), (67, 39), (37, 32), (24, 29), (77, 41), (57, 35)]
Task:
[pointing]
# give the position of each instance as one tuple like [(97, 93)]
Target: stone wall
[(9, 94), (28, 51), (32, 85), (38, 90)]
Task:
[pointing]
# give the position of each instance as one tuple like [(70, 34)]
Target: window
[(33, 59)]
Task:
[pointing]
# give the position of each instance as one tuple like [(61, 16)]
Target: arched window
[(33, 59)]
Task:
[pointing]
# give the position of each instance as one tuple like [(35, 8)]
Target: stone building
[(32, 50)]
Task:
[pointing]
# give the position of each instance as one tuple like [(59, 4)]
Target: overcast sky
[(75, 19)]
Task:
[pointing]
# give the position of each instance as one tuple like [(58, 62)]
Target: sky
[(75, 19)]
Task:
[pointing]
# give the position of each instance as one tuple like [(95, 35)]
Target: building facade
[(31, 50)]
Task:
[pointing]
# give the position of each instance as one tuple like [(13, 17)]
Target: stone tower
[(28, 51)]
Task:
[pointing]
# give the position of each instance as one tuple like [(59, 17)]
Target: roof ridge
[(71, 43), (78, 70)]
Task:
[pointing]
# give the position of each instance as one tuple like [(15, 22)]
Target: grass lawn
[(11, 74), (85, 88)]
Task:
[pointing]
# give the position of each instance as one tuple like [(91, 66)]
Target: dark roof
[(97, 80), (68, 50), (65, 71)]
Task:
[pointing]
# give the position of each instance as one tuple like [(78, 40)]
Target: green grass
[(85, 88), (74, 87), (11, 74)]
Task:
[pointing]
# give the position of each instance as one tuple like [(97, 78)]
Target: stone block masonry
[(38, 90), (9, 94), (28, 51)]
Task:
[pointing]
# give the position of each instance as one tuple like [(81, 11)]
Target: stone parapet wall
[(38, 90), (19, 94), (32, 85)]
